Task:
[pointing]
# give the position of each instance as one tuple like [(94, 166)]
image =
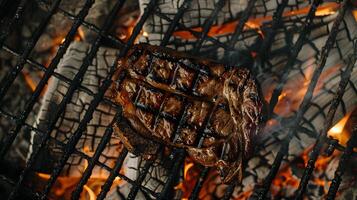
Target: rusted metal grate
[(177, 155)]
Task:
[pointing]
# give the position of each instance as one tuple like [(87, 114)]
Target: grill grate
[(178, 155)]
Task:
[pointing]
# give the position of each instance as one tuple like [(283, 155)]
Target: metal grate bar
[(179, 157), (95, 102), (264, 49), (207, 25), (52, 66), (347, 153), (198, 186), (73, 86), (11, 76), (60, 76), (194, 33), (113, 174), (181, 154), (70, 146), (91, 163), (26, 192), (134, 190), (243, 19), (14, 20), (269, 37), (327, 125), (77, 152), (175, 22), (229, 191), (293, 54), (116, 41), (304, 104)]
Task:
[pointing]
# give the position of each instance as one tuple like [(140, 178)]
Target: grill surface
[(260, 192)]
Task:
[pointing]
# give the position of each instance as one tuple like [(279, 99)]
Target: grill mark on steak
[(218, 102)]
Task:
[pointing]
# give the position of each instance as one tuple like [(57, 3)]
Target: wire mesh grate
[(177, 155)]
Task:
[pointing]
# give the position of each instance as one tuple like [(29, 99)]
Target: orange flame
[(65, 185), (256, 23), (337, 132), (29, 81)]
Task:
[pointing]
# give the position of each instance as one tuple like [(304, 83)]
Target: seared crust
[(173, 99)]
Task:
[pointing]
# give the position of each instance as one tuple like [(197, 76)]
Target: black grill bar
[(185, 5), (116, 41), (342, 165), (244, 18), (70, 146), (265, 47), (73, 86), (306, 101), (179, 157), (327, 125), (8, 25), (269, 38), (293, 55), (77, 152), (59, 76), (113, 174), (180, 153), (91, 163), (95, 102), (207, 25), (10, 77), (25, 192), (134, 190), (234, 39), (230, 189), (49, 72), (194, 33), (198, 186)]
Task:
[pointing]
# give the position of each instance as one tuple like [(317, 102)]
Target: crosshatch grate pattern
[(77, 112)]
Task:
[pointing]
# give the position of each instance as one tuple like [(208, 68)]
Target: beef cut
[(212, 110)]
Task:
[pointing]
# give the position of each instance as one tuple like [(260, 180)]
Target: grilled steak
[(211, 110)]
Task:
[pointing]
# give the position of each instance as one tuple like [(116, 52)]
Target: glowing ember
[(187, 167), (256, 23), (29, 80), (90, 192), (145, 34), (65, 185)]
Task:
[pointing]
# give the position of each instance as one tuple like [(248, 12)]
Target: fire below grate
[(301, 44)]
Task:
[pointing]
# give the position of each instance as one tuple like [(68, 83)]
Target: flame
[(145, 34), (90, 192), (190, 175), (29, 80), (285, 179), (295, 89), (256, 23), (337, 131), (342, 131), (186, 168), (65, 185)]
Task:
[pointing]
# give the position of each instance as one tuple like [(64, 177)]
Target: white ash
[(76, 109)]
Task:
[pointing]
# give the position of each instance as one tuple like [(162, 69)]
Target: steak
[(211, 110)]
